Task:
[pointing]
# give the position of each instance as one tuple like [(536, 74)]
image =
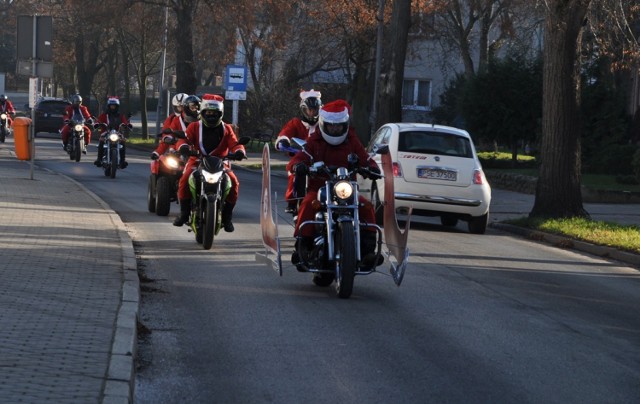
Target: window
[(416, 94)]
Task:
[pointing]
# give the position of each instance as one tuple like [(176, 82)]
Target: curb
[(120, 382), (571, 244)]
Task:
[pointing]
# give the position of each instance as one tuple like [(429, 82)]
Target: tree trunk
[(392, 77), (558, 192), (185, 68)]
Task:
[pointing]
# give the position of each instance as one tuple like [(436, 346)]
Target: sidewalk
[(69, 292)]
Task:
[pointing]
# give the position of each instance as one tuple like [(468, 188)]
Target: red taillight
[(397, 170), (478, 178)]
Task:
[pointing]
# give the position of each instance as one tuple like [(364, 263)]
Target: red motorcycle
[(163, 180)]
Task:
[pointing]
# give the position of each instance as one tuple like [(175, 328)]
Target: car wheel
[(478, 224)]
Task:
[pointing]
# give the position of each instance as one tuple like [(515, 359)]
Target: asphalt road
[(478, 318)]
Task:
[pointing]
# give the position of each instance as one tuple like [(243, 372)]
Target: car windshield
[(434, 143)]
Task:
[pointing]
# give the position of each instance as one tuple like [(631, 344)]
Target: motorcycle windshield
[(212, 164), (77, 116)]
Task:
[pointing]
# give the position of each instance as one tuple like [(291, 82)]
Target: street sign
[(235, 78), (44, 37), (236, 95)]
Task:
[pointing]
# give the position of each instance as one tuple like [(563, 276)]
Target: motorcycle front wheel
[(3, 134), (113, 167), (345, 259), (77, 150), (151, 193), (209, 224), (163, 196)]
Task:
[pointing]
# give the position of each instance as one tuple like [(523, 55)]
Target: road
[(490, 318)]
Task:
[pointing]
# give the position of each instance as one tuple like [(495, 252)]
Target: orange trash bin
[(21, 137)]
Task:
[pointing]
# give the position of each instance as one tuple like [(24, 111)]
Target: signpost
[(35, 53), (235, 82)]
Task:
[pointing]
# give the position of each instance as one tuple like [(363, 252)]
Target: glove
[(167, 131), (90, 121), (185, 152), (238, 155), (96, 125), (301, 169), (155, 156), (66, 121), (374, 173), (282, 144)]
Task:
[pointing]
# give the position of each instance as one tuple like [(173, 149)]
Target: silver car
[(436, 172)]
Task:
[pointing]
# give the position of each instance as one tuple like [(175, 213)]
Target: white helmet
[(334, 113), (177, 101)]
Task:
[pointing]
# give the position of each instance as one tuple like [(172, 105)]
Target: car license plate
[(437, 174)]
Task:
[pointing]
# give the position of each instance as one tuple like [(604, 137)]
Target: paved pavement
[(70, 291)]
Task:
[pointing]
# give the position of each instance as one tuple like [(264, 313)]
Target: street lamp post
[(164, 60)]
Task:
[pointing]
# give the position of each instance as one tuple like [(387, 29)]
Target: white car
[(436, 172)]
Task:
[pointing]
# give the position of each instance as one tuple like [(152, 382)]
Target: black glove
[(167, 131), (66, 121), (301, 169), (282, 144), (238, 155), (179, 134), (154, 156), (374, 173), (185, 152), (96, 125)]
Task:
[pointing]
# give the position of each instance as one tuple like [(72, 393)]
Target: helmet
[(76, 99), (177, 101), (211, 110), (310, 104), (113, 104), (332, 114), (3, 98), (191, 106)]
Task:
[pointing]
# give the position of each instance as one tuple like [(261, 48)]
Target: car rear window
[(52, 107), (434, 143)]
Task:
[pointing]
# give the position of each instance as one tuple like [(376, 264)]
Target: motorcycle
[(76, 146), (113, 145), (163, 181), (4, 127), (209, 185), (336, 253)]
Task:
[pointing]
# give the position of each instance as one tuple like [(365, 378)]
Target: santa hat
[(311, 93), (336, 111), (213, 97)]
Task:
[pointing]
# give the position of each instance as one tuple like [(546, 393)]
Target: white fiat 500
[(436, 172)]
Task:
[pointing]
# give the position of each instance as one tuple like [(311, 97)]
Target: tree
[(558, 191)]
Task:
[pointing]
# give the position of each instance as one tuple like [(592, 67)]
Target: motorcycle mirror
[(381, 149), (244, 140), (299, 142)]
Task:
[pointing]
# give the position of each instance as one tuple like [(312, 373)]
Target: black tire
[(3, 134), (209, 224), (151, 193), (449, 221), (113, 167), (346, 253), (199, 225), (377, 205), (478, 224), (77, 150), (163, 196), (323, 279)]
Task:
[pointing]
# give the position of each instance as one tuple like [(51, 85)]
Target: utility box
[(21, 138)]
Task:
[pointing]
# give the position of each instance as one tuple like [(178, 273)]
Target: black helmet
[(115, 102), (3, 98), (191, 106), (310, 104)]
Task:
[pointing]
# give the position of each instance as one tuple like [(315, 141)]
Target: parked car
[(48, 114), (436, 172)]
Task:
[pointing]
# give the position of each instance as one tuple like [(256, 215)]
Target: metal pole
[(164, 59), (374, 108), (34, 65)]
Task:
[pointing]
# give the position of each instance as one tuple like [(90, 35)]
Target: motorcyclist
[(112, 118), (209, 136), (332, 143), (6, 107), (299, 127), (76, 107), (177, 121)]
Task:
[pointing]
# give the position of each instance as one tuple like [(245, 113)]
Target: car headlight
[(343, 190), (114, 137), (210, 178), (77, 128)]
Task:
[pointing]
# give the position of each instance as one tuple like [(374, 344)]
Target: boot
[(368, 245), (301, 252), (227, 215), (123, 162), (185, 210), (98, 162)]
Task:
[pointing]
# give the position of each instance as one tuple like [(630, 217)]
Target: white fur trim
[(311, 93), (342, 116)]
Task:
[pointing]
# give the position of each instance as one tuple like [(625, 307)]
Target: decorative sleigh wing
[(395, 238), (271, 255)]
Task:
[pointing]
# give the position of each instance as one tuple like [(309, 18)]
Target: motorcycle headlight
[(343, 190), (78, 128), (172, 162), (210, 178), (114, 137), (3, 116)]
